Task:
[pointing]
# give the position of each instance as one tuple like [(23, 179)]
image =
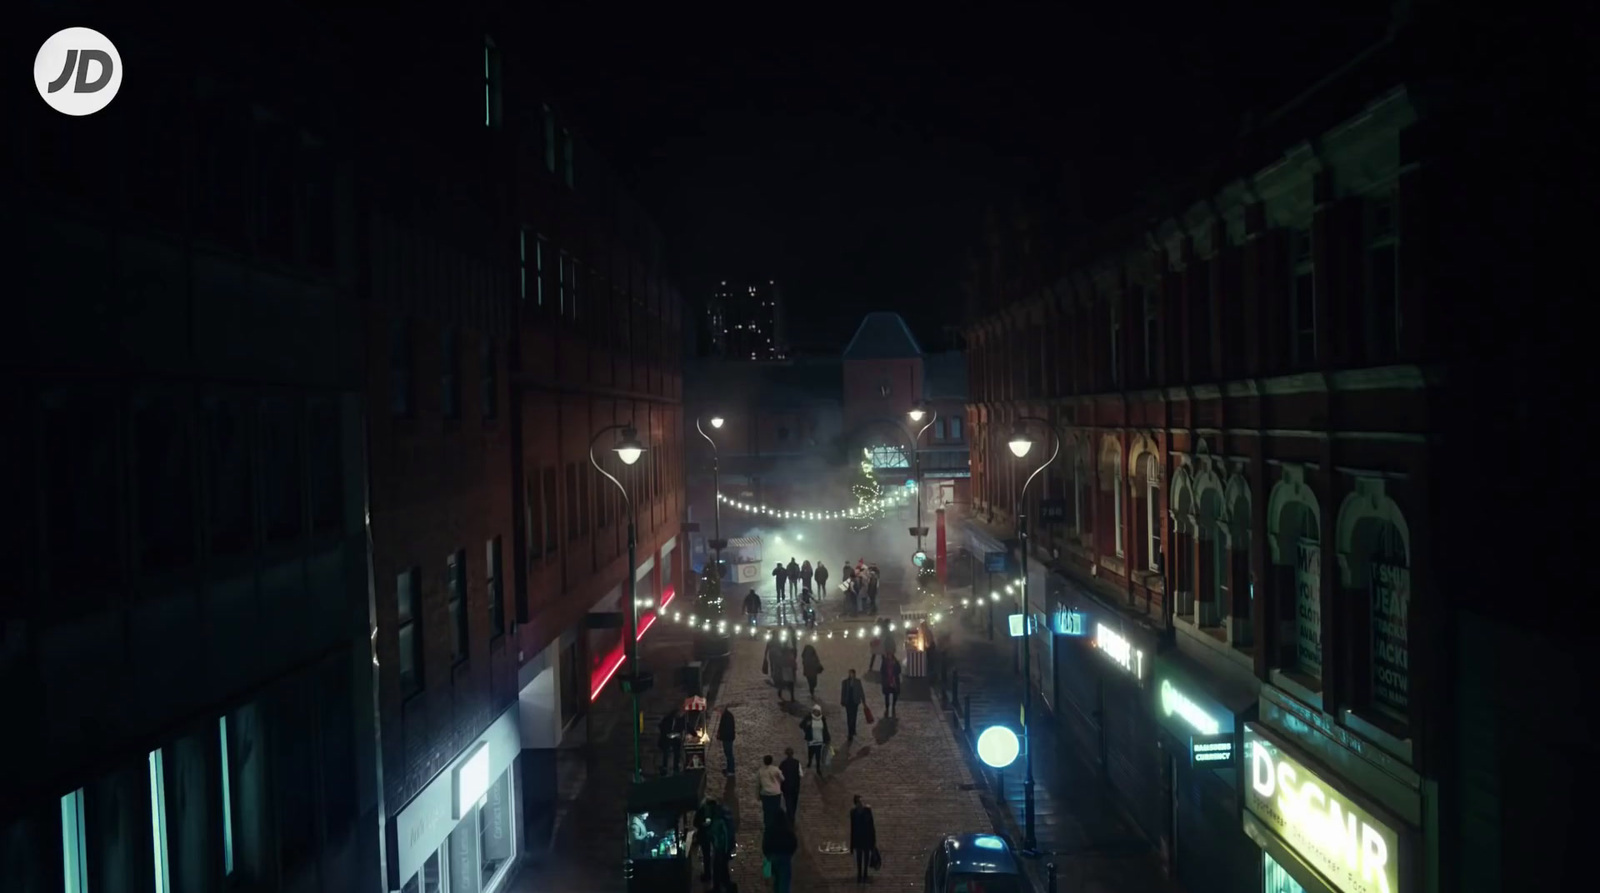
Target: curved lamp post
[(1021, 444), (716, 486), (628, 448), (917, 412)]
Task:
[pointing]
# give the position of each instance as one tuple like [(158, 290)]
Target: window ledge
[(1296, 688), (1389, 734)]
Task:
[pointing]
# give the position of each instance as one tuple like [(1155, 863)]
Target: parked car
[(974, 863)]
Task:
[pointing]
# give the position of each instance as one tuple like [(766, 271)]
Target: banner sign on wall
[(1391, 653), (1308, 609)]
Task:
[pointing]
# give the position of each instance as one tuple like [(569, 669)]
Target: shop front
[(460, 834), (1202, 719), (1128, 731), (1315, 834)]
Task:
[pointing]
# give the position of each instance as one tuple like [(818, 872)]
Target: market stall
[(660, 830)]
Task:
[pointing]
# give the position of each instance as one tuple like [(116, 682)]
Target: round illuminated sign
[(998, 747), (919, 558)]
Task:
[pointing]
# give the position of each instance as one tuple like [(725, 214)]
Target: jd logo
[(78, 71)]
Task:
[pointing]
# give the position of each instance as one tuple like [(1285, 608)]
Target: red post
[(939, 547)]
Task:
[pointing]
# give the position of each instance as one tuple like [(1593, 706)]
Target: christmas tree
[(867, 491), (708, 601)]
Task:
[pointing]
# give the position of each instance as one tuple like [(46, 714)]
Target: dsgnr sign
[(1355, 851)]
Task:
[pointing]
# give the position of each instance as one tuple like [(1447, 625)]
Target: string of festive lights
[(722, 626), (866, 509)]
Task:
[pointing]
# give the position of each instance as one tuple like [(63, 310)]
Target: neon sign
[(1119, 649), (1176, 702), (1344, 842)]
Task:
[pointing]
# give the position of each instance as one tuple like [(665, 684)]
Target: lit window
[(74, 849), (227, 798), (158, 821)]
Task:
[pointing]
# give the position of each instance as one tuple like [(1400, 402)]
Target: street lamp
[(716, 486), (1021, 443), (917, 412), (628, 448)]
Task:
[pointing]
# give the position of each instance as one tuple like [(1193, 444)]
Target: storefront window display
[(1275, 879)]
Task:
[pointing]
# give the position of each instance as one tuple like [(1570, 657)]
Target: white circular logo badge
[(78, 71)]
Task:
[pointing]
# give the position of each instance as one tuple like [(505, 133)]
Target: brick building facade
[(1241, 388)]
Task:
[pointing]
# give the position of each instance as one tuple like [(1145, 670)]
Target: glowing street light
[(998, 747), (716, 421)]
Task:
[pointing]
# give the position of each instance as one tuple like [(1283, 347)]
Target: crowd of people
[(793, 584)]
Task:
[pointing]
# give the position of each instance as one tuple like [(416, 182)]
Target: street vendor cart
[(659, 839), (696, 732)]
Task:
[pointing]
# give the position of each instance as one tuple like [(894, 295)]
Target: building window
[(497, 598), (566, 157), (491, 84), (408, 590), (400, 366), (955, 427), (562, 265), (1152, 332), (1302, 300), (1383, 279), (450, 373), (489, 383), (522, 263), (226, 779), (539, 250), (1116, 505), (74, 843), (547, 507), (456, 575), (532, 518), (572, 501), (1113, 352), (158, 822), (583, 503), (602, 501), (1200, 321), (1077, 491), (938, 429), (1390, 617), (576, 271), (1152, 512)]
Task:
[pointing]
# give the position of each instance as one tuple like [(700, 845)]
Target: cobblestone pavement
[(910, 768)]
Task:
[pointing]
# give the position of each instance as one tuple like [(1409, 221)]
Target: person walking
[(721, 834), (812, 665), (805, 574), (807, 609), (702, 838), (820, 574), (772, 664), (671, 741), (780, 576), (794, 576), (863, 838), (725, 733), (778, 844), (769, 783), (786, 666), (872, 589), (792, 773), (851, 697), (815, 728), (752, 606), (891, 683)]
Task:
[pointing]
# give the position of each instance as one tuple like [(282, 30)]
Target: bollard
[(1050, 875), (966, 714)]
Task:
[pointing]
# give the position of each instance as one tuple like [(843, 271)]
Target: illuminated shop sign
[(1342, 841), (1212, 751), (472, 779), (1121, 651), (1175, 703)]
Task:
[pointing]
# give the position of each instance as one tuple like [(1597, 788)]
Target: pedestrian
[(786, 666), (671, 741), (778, 844), (725, 734), (891, 683), (863, 838), (875, 646), (812, 665), (821, 576), (872, 589), (805, 573), (702, 838), (793, 575), (792, 773), (780, 576), (721, 834), (752, 606), (769, 783), (815, 728), (772, 665), (851, 697), (807, 610)]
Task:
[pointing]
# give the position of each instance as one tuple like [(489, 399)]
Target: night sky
[(849, 154)]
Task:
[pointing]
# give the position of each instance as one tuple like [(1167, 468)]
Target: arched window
[(1389, 589), (1151, 475)]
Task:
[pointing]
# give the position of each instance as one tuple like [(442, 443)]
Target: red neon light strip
[(598, 680)]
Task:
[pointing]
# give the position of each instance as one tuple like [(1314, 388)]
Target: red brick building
[(1241, 386), (514, 315)]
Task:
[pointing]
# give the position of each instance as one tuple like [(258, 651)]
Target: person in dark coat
[(702, 839), (794, 576), (790, 767), (752, 606), (780, 577), (815, 728), (821, 576), (805, 574), (890, 683), (725, 734), (851, 697), (811, 664), (778, 844), (863, 838), (671, 741)]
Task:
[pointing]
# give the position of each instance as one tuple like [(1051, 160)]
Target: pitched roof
[(883, 336)]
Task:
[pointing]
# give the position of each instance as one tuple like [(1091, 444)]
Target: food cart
[(659, 839), (696, 732)]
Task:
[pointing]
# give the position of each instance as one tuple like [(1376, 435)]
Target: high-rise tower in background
[(745, 321)]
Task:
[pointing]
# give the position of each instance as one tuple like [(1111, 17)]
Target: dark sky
[(848, 154)]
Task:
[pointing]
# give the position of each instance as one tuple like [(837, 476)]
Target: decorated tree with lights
[(866, 489)]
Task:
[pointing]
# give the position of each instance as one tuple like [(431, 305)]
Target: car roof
[(979, 854)]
